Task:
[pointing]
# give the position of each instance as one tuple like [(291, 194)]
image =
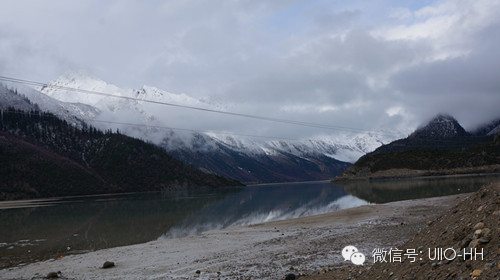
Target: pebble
[(290, 276), (479, 225), (51, 275), (474, 244), (484, 240), (485, 232), (476, 273), (108, 264)]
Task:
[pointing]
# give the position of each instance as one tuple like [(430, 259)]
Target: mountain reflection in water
[(264, 203), (57, 227)]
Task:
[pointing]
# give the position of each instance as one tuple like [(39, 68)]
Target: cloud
[(464, 85), (362, 64)]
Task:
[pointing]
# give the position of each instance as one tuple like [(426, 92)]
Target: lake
[(53, 228)]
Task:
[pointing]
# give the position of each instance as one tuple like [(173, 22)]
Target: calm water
[(403, 189), (83, 224)]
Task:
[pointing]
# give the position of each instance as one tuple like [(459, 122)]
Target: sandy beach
[(301, 246)]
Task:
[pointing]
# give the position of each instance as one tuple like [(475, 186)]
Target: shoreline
[(301, 246), (398, 174)]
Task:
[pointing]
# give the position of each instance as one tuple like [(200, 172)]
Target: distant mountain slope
[(490, 128), (26, 99), (260, 167), (44, 156), (441, 144), (271, 161)]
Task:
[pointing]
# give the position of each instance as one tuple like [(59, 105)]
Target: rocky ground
[(471, 229)]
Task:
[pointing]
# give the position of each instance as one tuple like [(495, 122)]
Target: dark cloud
[(467, 86), (360, 64)]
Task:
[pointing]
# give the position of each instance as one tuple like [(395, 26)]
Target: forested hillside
[(44, 156)]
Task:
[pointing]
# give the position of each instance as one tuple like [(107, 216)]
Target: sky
[(370, 65)]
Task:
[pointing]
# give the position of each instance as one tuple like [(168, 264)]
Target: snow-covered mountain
[(243, 158), (441, 126)]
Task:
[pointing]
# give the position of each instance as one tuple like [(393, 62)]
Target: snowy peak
[(155, 94), (441, 126), (77, 80), (346, 147), (61, 89)]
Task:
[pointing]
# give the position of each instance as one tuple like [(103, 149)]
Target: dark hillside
[(441, 145), (28, 171), (434, 159), (42, 156)]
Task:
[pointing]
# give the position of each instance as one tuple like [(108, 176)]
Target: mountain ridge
[(322, 157), (442, 146)]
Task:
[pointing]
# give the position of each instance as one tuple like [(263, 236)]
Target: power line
[(286, 121), (161, 127)]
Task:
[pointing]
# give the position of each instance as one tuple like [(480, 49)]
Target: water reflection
[(264, 203), (83, 224), (92, 223), (394, 190)]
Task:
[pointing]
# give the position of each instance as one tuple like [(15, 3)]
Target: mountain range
[(81, 100), (242, 158)]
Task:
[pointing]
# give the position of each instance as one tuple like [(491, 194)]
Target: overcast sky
[(364, 64)]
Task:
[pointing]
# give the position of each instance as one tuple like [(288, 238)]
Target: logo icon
[(351, 253)]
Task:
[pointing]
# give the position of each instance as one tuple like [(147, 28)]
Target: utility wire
[(90, 121), (2, 112), (293, 122)]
